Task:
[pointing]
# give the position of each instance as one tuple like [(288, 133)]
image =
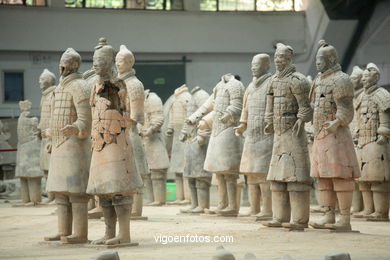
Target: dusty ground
[(22, 230)]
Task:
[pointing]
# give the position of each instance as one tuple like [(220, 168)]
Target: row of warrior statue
[(128, 152)]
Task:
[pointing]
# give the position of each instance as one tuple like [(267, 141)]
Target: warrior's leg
[(357, 199), (266, 199), (231, 185), (64, 217), (254, 195), (222, 192), (109, 215), (194, 196), (280, 205), (80, 220), (148, 187), (179, 187), (122, 208), (203, 193), (137, 205), (34, 189), (24, 193), (159, 187), (300, 205), (381, 194), (368, 201), (327, 201)]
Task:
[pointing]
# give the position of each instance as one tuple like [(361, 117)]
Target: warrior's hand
[(201, 140), (70, 130), (381, 140), (239, 130), (192, 119), (331, 126), (48, 147), (224, 118), (297, 128), (269, 129), (169, 132)]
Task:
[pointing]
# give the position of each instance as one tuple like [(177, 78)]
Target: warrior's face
[(321, 63), (67, 66), (356, 81), (102, 65), (45, 81), (259, 67), (122, 64), (370, 77), (282, 60)]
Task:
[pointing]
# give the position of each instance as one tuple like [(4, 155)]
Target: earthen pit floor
[(22, 231)]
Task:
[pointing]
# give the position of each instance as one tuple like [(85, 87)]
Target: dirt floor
[(22, 231)]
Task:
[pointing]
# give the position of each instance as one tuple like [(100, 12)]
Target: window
[(205, 5), (13, 86), (24, 2)]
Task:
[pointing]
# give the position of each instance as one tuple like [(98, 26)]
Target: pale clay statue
[(27, 157), (356, 79), (257, 151), (70, 127), (372, 132), (47, 82), (113, 173), (5, 135), (287, 110), (156, 154), (124, 63), (334, 161), (176, 117), (224, 150), (198, 179)]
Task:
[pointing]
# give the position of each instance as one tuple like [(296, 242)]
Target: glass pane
[(208, 5), (155, 4), (135, 4), (73, 3), (227, 5), (275, 5), (175, 5), (13, 86), (246, 5), (12, 2), (36, 2)]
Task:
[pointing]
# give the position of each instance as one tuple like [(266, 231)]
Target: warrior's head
[(25, 105), (124, 60), (326, 56), (283, 56), (70, 62), (260, 64), (356, 77), (103, 60), (47, 79), (371, 75)]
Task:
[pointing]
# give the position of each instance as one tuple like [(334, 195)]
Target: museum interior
[(195, 129)]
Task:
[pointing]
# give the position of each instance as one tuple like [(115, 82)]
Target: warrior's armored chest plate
[(256, 111), (368, 120), (221, 102), (285, 105), (324, 104), (45, 112), (64, 113), (26, 130)]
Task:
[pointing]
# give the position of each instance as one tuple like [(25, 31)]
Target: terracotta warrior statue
[(356, 79), (47, 82), (176, 118), (156, 154), (113, 173), (124, 63), (198, 179), (70, 128), (27, 157), (287, 110), (224, 149), (373, 133), (334, 161), (257, 151)]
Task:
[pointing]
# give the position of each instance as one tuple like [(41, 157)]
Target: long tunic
[(44, 124), (288, 101), (70, 155), (257, 151), (334, 154)]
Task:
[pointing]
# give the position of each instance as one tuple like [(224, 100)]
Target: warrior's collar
[(70, 77), (287, 71), (127, 75), (371, 89), (258, 81), (196, 89), (48, 90), (330, 71), (181, 90)]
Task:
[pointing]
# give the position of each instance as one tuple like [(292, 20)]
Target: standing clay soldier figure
[(156, 154), (287, 110), (124, 63), (356, 79), (47, 82), (70, 126), (113, 173), (334, 161), (373, 124), (176, 118), (198, 179), (27, 157), (224, 149), (257, 151)]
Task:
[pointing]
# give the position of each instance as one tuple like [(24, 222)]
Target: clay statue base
[(113, 246), (138, 218), (33, 204)]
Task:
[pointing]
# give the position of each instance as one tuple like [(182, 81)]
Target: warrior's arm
[(300, 90), (202, 110), (343, 95)]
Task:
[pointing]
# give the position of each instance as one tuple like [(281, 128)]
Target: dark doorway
[(161, 78)]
